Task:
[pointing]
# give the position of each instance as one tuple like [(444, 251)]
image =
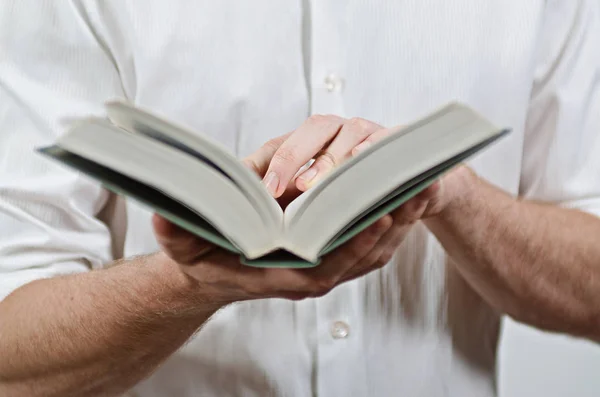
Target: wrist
[(468, 197), (185, 291), (461, 189)]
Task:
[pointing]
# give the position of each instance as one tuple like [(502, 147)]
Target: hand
[(331, 139), (222, 279)]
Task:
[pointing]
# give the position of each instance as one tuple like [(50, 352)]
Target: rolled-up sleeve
[(561, 157), (52, 69)]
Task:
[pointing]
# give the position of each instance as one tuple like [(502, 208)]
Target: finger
[(180, 245), (364, 270), (289, 195), (411, 211), (351, 134), (370, 140), (381, 254), (432, 190), (298, 284), (301, 146), (244, 282), (259, 160), (228, 280), (357, 248), (329, 273)]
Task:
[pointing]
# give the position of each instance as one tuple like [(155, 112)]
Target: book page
[(360, 183), (143, 122), (169, 171)]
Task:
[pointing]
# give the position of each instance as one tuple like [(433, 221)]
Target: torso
[(237, 71)]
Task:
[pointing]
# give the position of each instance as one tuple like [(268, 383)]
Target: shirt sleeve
[(561, 157), (52, 69)]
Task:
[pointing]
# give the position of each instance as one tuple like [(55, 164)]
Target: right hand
[(330, 140), (222, 279)]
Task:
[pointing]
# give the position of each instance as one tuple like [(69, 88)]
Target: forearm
[(98, 333), (536, 262)]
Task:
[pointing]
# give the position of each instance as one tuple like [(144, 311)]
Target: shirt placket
[(338, 354)]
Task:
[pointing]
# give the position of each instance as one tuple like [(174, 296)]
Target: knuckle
[(380, 262), (357, 135), (254, 290), (328, 158), (285, 155), (360, 124), (375, 260), (327, 119), (317, 118), (385, 222), (362, 245), (406, 214), (273, 144), (323, 285), (370, 241), (385, 258), (380, 227)]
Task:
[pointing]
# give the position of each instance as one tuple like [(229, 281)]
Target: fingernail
[(361, 147), (308, 175), (271, 182)]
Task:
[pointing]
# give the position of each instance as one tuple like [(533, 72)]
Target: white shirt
[(247, 71)]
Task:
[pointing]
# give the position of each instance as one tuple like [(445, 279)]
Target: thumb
[(179, 244)]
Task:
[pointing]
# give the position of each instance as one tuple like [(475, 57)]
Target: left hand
[(330, 140)]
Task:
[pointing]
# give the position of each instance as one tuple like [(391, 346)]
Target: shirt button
[(340, 330), (333, 83)]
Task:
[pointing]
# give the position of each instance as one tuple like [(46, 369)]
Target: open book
[(199, 185)]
